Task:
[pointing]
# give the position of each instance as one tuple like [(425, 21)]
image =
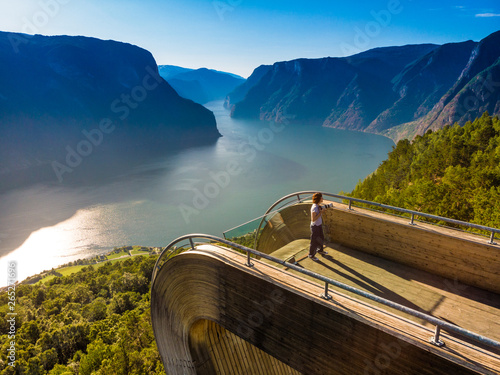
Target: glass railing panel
[(244, 234), (247, 233)]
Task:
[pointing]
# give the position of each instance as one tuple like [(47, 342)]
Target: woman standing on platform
[(317, 237)]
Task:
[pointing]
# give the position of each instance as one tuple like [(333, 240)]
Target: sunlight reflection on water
[(84, 234), (45, 226)]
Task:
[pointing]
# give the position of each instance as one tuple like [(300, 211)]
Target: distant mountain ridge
[(90, 99), (169, 71), (395, 91), (239, 92), (421, 84), (200, 85)]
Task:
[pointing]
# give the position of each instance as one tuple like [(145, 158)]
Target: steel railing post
[(326, 295), (249, 264), (435, 339), (412, 219)]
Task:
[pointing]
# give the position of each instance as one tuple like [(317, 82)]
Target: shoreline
[(117, 253)]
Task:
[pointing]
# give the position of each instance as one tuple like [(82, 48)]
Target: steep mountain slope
[(87, 98), (239, 93), (340, 92), (395, 91), (477, 90), (422, 84), (452, 172)]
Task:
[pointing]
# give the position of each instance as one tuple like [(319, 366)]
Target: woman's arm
[(315, 215)]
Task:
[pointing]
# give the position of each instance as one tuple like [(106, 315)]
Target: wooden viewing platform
[(469, 307), (212, 314)]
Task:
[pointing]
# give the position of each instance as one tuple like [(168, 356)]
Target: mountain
[(451, 172), (476, 90), (340, 92), (70, 101), (239, 93), (396, 91), (200, 85), (423, 83), (169, 71)]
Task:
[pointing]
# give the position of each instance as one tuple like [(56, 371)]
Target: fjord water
[(198, 190)]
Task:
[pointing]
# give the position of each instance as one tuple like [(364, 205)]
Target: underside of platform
[(284, 316)]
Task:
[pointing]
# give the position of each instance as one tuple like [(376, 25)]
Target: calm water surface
[(203, 190)]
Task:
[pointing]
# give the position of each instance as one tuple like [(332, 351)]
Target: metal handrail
[(413, 214), (258, 217), (272, 207), (440, 324)]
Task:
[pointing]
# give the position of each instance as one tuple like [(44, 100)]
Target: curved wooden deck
[(198, 293), (460, 256), (214, 315)]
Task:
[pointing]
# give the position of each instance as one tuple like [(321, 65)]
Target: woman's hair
[(317, 197)]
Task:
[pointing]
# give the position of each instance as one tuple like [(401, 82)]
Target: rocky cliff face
[(90, 96), (340, 92), (239, 92), (476, 90), (422, 83), (396, 91)]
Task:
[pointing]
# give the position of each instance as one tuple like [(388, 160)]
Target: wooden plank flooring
[(468, 307), (466, 257), (456, 349)]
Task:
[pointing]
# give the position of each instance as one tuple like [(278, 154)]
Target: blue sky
[(239, 35)]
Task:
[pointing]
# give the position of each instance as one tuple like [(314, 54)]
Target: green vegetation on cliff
[(94, 321), (453, 172)]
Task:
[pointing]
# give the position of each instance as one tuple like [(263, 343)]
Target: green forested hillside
[(95, 321), (453, 172)]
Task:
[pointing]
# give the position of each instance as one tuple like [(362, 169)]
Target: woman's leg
[(316, 232)]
